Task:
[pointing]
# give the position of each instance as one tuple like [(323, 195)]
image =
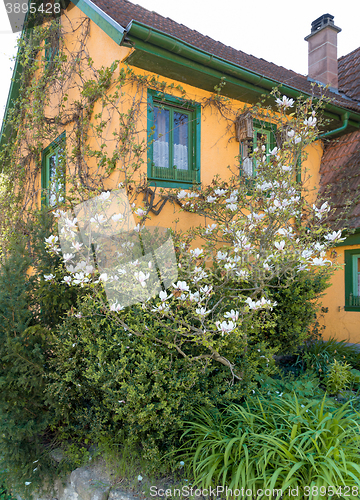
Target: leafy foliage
[(275, 444)]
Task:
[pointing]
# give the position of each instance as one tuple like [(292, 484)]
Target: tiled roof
[(340, 177), (123, 12), (349, 74)]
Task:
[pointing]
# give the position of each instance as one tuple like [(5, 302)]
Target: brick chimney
[(323, 65)]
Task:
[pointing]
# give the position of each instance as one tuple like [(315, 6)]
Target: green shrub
[(116, 387), (296, 310), (275, 443)]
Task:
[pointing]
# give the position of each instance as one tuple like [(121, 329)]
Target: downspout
[(345, 121)]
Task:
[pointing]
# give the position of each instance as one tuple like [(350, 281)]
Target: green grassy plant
[(276, 443), (320, 354)]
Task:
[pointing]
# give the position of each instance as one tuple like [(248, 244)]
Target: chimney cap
[(324, 21)]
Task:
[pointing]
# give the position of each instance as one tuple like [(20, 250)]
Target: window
[(174, 141), (53, 172), (352, 280), (252, 134)]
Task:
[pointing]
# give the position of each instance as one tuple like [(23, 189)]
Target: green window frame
[(261, 130), (173, 126), (53, 172), (352, 280)]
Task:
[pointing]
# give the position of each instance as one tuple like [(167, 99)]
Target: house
[(179, 110)]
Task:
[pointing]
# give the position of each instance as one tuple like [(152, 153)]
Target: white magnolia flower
[(319, 261), (333, 236), (181, 286), (98, 219), (202, 311), (67, 280), (232, 206), (285, 102), (117, 217), (220, 192), (182, 194), (77, 245), (280, 246), (209, 228), (140, 212), (274, 151), (48, 277), (68, 256), (142, 277), (162, 307), (310, 122), (195, 297), (210, 199), (233, 315), (197, 252), (137, 228), (105, 195), (225, 327), (221, 255), (286, 169), (116, 307), (164, 296), (206, 290), (104, 277), (71, 223), (51, 240), (27, 483)]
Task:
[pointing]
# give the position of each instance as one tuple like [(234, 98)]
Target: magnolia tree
[(207, 289)]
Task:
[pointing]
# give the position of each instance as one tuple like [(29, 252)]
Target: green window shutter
[(53, 172), (352, 280), (173, 141)]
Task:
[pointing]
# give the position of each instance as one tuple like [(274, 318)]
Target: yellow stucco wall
[(344, 325), (218, 150)]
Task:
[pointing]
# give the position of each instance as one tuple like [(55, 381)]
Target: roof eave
[(157, 44)]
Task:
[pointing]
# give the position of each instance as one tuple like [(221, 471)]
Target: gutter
[(139, 31), (345, 121)]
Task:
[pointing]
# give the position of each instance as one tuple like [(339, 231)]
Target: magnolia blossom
[(319, 212), (219, 192), (233, 315), (67, 280), (274, 151), (210, 199), (209, 228), (225, 327), (286, 169), (197, 252), (320, 261), (195, 297), (310, 122), (181, 286), (333, 236), (140, 212), (285, 102), (80, 278), (116, 307), (202, 311), (51, 240), (260, 304), (142, 277), (182, 194), (48, 277), (104, 277), (280, 246), (77, 245), (206, 290), (221, 255), (164, 296), (68, 256), (117, 217), (161, 307), (98, 219), (105, 195)]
